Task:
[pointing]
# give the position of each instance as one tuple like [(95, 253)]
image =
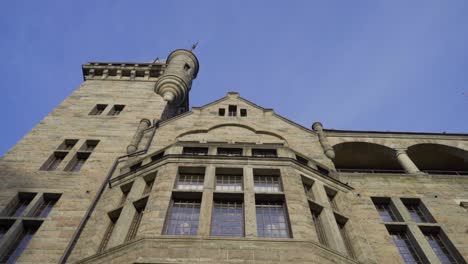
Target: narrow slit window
[(54, 160), (243, 112), (302, 160), (346, 239), (68, 144), (107, 235), (221, 111), (78, 161), (148, 186), (116, 110), (135, 222), (46, 205), (319, 229), (232, 110), (98, 109), (89, 145), (20, 205)]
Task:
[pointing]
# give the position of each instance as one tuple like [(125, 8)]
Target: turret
[(174, 85)]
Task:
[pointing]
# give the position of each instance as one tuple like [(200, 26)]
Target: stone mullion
[(327, 216), (422, 244), (34, 204), (10, 236), (207, 202), (128, 212), (250, 217)]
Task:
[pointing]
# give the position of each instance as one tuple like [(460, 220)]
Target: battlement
[(123, 71)]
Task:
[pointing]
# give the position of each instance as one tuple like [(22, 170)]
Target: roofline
[(393, 132)]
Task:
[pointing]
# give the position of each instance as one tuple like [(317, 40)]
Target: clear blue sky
[(355, 65)]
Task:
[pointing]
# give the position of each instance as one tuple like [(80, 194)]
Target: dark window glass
[(44, 208), (19, 245), (221, 111), (272, 220), (227, 219), (116, 110), (243, 112), (346, 240), (386, 211), (231, 183), (267, 184), (319, 228), (98, 109), (4, 227), (302, 160), (405, 247), (266, 153), (157, 156), (440, 248), (232, 110), (20, 206), (190, 182), (323, 170), (68, 144), (135, 167), (135, 223), (183, 218), (195, 151), (230, 151)]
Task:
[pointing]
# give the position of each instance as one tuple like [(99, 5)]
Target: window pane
[(230, 151), (195, 151), (190, 182), (267, 184), (227, 219), (18, 246), (20, 206), (416, 213), (439, 247), (267, 153), (406, 249), (183, 218), (272, 220), (44, 209), (319, 228), (228, 183), (385, 211)]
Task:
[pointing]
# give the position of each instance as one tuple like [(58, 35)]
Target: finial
[(194, 46)]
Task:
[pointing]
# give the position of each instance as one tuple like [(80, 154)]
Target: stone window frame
[(27, 220), (82, 155), (98, 109), (194, 178)]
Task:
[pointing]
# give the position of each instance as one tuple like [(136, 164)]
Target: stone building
[(123, 171)]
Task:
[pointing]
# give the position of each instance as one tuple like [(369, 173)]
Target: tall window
[(272, 220), (440, 247), (19, 244), (307, 185), (132, 231), (301, 160), (345, 237), (68, 144), (227, 218), (416, 210), (232, 110), (20, 203), (116, 110), (46, 205), (265, 153), (195, 151), (331, 195), (266, 180), (230, 151), (386, 210), (89, 145), (78, 162), (148, 186), (405, 247), (183, 217), (107, 235), (319, 229)]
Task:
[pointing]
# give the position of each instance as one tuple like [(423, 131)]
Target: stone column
[(144, 124), (406, 162), (204, 226), (249, 203)]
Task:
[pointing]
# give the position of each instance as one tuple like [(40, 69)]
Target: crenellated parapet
[(124, 71)]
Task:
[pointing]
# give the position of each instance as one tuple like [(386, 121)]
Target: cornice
[(123, 71)]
